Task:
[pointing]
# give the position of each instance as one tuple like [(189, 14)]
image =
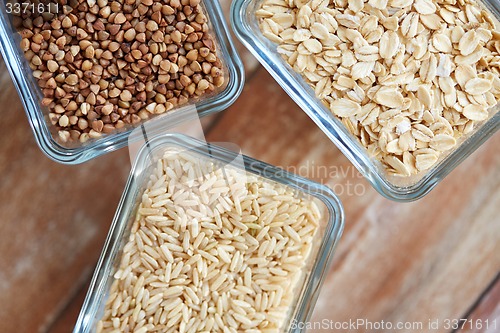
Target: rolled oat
[(408, 78)]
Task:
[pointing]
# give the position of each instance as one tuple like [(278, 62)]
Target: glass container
[(246, 26), (45, 133), (323, 244)]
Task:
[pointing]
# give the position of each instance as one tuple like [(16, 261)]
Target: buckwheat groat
[(104, 65)]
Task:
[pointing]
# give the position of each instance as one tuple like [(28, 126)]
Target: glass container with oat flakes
[(406, 89), (89, 71)]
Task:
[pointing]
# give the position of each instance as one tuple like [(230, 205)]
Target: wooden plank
[(485, 317), (429, 259), (66, 320)]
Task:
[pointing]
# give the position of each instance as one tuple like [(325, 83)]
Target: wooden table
[(435, 259)]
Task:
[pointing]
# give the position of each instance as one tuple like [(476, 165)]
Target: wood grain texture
[(54, 220), (485, 316), (65, 321)]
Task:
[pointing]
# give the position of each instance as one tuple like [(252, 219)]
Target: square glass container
[(324, 242), (45, 133), (246, 26)]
